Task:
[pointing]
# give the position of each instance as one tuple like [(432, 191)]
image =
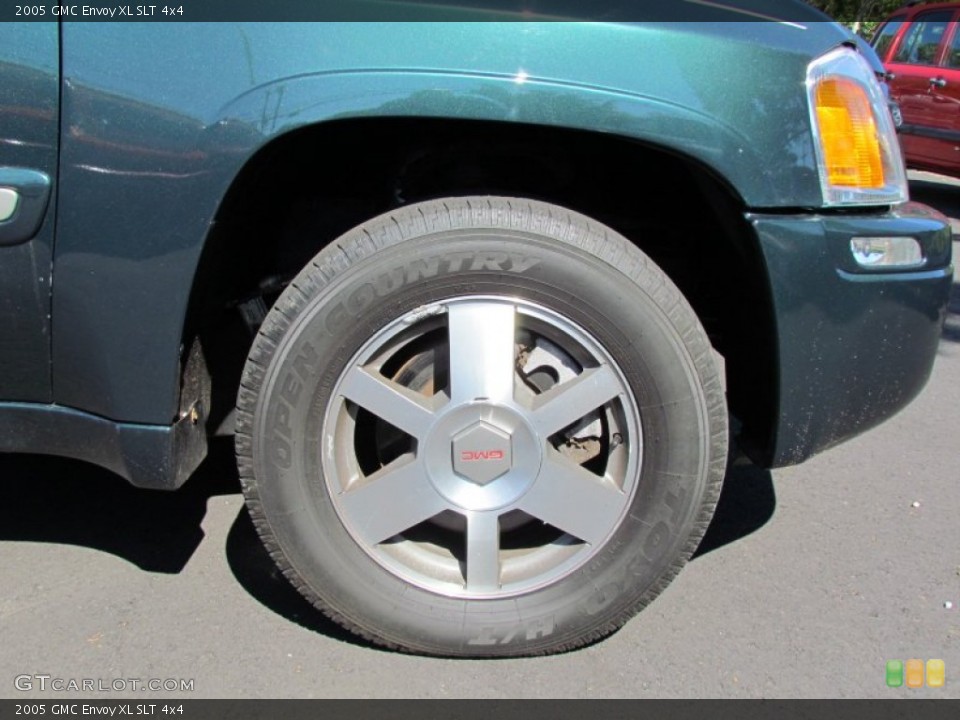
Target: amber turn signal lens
[(848, 131)]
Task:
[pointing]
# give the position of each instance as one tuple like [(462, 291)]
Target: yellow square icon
[(914, 673), (936, 673)]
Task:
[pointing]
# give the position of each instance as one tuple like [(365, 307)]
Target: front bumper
[(855, 345)]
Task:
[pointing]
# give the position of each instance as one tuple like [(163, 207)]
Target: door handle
[(938, 82), (23, 203)]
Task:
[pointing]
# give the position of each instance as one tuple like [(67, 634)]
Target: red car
[(920, 47)]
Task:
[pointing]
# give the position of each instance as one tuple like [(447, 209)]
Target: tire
[(481, 427)]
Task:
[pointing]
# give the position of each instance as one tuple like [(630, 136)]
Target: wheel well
[(306, 188)]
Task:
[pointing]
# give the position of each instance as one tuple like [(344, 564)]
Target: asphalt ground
[(810, 579)]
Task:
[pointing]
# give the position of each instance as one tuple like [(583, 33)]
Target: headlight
[(858, 153)]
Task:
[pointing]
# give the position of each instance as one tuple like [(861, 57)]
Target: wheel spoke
[(565, 404), (393, 500), (573, 500), (483, 551), (401, 407), (481, 351)]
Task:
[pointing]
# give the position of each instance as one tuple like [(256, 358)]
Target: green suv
[(485, 304)]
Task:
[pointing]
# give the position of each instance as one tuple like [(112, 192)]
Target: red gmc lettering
[(472, 455)]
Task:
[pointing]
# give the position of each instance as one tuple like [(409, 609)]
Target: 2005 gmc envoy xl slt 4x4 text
[(483, 303)]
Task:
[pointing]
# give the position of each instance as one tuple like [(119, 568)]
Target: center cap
[(481, 456), (482, 453)]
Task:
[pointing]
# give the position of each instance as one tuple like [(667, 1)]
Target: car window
[(920, 44), (885, 35), (953, 52)]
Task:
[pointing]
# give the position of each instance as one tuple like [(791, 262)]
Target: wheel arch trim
[(275, 109)]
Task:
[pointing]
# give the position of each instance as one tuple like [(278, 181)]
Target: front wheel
[(481, 427)]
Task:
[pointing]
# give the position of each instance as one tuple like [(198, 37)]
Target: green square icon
[(894, 673)]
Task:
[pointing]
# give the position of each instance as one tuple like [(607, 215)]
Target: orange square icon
[(914, 673), (936, 673)]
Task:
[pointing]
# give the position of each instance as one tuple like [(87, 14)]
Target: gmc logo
[(473, 455)]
